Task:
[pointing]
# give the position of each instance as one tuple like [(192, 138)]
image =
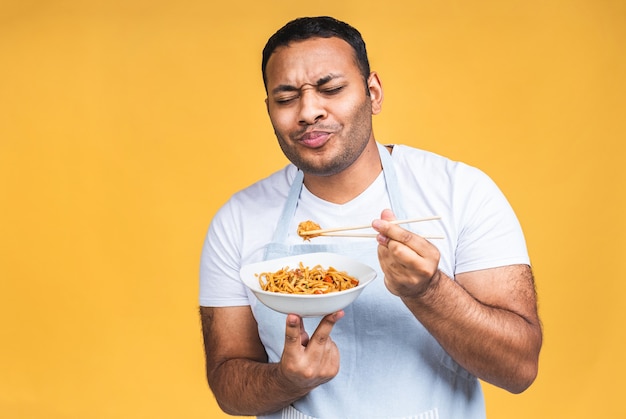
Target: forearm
[(242, 380), (495, 344), (249, 388)]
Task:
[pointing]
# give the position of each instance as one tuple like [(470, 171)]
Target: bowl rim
[(369, 276)]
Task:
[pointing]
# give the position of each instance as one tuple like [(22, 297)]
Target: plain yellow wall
[(125, 124)]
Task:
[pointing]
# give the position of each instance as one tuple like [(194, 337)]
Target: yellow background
[(125, 124)]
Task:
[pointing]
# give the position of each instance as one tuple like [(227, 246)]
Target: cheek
[(361, 120), (280, 120), (356, 110)]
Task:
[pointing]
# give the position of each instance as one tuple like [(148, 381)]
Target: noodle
[(307, 226), (304, 280)]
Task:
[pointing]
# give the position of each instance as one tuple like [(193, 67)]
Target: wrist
[(428, 292), (291, 387)]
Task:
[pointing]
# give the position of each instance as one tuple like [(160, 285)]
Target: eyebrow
[(320, 82)]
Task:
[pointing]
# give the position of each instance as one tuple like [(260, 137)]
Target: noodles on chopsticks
[(306, 226), (305, 280)]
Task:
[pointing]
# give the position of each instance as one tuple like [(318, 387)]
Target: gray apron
[(390, 367)]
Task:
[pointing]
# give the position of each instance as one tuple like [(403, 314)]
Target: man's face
[(318, 105)]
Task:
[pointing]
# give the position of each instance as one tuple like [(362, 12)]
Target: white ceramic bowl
[(308, 305)]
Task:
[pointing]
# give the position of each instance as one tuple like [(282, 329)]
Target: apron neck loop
[(289, 210)]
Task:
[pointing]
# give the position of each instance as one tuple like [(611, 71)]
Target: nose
[(311, 107)]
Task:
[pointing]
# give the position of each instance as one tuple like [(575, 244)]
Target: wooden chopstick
[(323, 231), (340, 234)]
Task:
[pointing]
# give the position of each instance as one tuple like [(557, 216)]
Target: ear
[(376, 92), (267, 105)]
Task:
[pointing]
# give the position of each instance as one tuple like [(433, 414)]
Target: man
[(441, 315)]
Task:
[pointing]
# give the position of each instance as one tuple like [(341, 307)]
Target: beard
[(340, 152)]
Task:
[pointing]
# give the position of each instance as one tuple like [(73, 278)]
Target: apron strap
[(280, 234), (392, 182)]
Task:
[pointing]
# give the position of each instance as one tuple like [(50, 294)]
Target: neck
[(347, 185)]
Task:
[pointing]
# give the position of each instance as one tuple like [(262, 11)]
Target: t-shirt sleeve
[(220, 285), (490, 234)]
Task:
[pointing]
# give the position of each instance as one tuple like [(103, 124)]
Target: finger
[(304, 336), (383, 224), (386, 215), (389, 233), (322, 333), (382, 240), (293, 330)]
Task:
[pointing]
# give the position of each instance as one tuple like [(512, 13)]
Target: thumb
[(387, 215)]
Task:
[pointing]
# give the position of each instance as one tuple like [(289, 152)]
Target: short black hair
[(304, 28)]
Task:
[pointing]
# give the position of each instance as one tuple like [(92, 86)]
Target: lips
[(315, 139)]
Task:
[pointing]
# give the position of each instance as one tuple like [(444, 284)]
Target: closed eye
[(332, 90), (283, 100)]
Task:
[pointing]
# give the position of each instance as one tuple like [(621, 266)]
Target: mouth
[(315, 139)]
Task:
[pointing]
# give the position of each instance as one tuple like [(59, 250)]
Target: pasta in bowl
[(310, 285)]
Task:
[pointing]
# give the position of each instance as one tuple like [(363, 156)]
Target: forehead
[(308, 61)]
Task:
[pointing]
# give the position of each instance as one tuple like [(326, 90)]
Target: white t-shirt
[(480, 228)]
